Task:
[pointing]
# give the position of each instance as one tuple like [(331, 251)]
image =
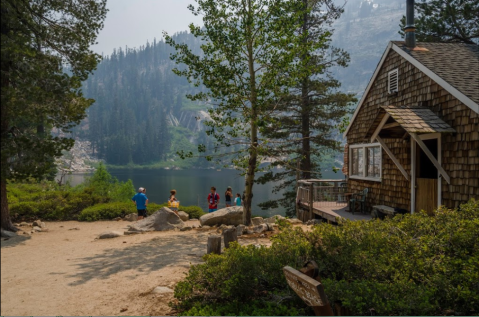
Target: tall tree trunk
[(253, 153), (5, 221), (253, 158), (306, 133), (305, 111)]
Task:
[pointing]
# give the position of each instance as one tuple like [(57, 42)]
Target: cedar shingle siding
[(460, 150)]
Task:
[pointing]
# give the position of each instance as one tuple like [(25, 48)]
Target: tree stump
[(214, 245), (230, 235)]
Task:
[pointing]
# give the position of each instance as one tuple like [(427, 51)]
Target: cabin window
[(365, 161), (393, 81)]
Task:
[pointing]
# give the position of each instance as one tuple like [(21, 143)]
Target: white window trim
[(365, 164)]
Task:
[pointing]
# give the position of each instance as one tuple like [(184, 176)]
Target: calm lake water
[(194, 185)]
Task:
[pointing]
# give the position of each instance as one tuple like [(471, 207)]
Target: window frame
[(364, 176)]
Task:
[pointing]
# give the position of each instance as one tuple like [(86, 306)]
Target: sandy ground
[(70, 272)]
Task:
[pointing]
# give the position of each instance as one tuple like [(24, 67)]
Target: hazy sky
[(132, 22)]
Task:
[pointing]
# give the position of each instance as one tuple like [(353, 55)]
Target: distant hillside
[(141, 114), (364, 31)]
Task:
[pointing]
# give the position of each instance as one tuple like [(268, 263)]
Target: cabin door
[(427, 177)]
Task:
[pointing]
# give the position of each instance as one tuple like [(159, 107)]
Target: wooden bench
[(382, 209)]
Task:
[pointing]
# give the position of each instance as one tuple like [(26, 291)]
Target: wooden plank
[(393, 158), (426, 194), (380, 126), (308, 289), (431, 157), (391, 125)]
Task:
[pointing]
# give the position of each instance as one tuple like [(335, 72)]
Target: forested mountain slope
[(141, 114)]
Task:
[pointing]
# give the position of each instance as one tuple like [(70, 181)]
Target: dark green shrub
[(195, 212), (106, 211), (254, 308), (23, 208), (408, 265), (113, 210)]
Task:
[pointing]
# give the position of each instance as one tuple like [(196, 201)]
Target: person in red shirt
[(213, 200)]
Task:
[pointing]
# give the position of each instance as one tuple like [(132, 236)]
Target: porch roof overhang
[(392, 122)]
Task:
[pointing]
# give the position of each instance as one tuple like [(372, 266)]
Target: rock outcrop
[(162, 220), (227, 216)]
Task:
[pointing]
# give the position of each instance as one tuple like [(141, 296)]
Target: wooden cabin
[(414, 137)]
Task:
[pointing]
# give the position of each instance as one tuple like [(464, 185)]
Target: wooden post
[(230, 235), (311, 200), (214, 245), (298, 168)]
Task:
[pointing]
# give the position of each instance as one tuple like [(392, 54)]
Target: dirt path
[(69, 272)]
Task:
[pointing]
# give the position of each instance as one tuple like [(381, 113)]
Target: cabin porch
[(324, 198)]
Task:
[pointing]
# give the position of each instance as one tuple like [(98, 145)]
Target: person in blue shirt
[(141, 201), (238, 199)]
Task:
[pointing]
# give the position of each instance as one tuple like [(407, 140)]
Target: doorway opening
[(427, 177)]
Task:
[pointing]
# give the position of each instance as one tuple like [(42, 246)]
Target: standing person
[(141, 201), (173, 203), (228, 196), (213, 200), (238, 200)]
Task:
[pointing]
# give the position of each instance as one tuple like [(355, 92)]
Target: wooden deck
[(331, 211)]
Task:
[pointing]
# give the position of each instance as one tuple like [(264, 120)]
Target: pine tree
[(304, 130), (40, 38), (446, 21)]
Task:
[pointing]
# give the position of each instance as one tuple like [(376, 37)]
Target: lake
[(194, 185)]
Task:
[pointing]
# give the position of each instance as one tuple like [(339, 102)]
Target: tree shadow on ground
[(19, 239), (147, 256)]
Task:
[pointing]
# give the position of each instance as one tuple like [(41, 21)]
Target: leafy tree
[(39, 40), (304, 130), (446, 21), (247, 66)]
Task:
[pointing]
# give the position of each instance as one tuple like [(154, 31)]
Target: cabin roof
[(456, 63), (454, 66)]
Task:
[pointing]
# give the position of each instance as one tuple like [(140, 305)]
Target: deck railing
[(322, 192)]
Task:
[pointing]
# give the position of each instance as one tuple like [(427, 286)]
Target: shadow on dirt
[(152, 255)]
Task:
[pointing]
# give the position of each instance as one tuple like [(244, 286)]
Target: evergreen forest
[(141, 115)]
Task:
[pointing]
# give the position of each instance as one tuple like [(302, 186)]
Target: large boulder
[(273, 219), (227, 216), (183, 215), (162, 220)]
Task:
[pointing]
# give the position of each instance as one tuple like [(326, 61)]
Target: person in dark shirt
[(228, 196)]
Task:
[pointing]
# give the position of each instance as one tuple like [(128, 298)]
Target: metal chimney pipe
[(410, 28)]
